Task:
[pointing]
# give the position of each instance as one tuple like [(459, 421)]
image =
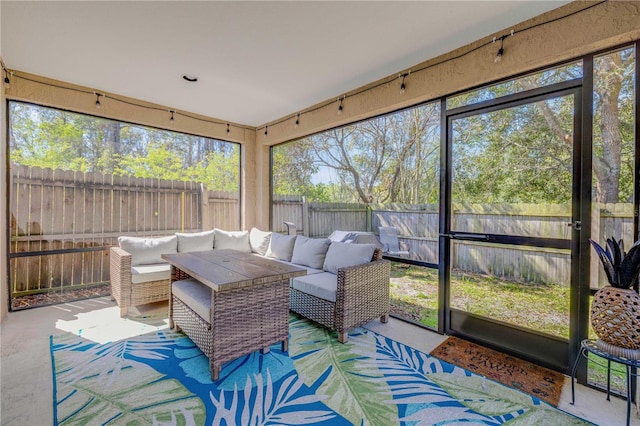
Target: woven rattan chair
[(127, 294), (362, 296)]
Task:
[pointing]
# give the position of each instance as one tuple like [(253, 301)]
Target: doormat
[(511, 371)]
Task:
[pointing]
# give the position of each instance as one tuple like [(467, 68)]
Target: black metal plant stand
[(631, 366)]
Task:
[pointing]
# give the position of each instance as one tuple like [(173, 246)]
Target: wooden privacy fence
[(318, 219), (63, 222), (418, 229)]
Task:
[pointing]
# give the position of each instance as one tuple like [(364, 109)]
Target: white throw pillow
[(310, 252), (195, 241), (281, 246), (341, 255), (146, 251), (259, 241), (234, 240)]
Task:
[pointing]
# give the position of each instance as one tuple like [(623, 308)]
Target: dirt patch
[(64, 296)]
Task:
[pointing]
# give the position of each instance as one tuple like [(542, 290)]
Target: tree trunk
[(608, 170)]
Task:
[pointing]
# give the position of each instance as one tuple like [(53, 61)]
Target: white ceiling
[(256, 61)]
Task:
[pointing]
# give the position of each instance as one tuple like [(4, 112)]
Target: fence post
[(204, 208), (306, 220), (369, 219)]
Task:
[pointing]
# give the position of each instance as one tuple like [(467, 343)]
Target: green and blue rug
[(163, 379)]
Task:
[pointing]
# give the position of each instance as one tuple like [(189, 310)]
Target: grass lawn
[(541, 307)]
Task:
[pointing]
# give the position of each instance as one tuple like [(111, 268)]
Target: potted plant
[(615, 312)]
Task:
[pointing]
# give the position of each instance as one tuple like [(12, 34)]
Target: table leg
[(608, 380), (265, 350), (215, 371), (628, 395), (173, 276), (285, 345), (573, 376)]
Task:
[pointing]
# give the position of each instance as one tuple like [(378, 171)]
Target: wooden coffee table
[(249, 303)]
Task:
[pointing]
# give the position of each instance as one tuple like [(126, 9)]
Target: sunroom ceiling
[(255, 61)]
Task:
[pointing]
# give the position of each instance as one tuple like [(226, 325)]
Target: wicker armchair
[(127, 294), (362, 296)]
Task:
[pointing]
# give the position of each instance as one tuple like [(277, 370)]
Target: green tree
[(47, 137), (394, 158), (293, 166)]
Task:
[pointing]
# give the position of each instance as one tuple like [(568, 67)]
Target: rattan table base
[(249, 303), (244, 320)]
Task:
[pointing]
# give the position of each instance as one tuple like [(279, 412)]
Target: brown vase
[(615, 317)]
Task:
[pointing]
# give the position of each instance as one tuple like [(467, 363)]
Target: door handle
[(577, 225), (467, 237)]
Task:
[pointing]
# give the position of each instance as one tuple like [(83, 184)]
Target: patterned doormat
[(511, 371)]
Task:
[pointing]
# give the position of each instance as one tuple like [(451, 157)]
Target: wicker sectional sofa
[(346, 285)]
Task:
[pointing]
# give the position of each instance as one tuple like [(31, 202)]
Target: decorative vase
[(615, 317)]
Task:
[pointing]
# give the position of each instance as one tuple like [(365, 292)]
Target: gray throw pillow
[(195, 241), (234, 240), (281, 246), (310, 252), (259, 241), (341, 255)]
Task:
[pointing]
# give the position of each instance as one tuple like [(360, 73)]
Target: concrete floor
[(26, 386)]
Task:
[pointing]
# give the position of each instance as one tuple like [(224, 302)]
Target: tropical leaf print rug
[(163, 379)]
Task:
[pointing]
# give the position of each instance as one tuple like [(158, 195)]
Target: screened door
[(512, 232)]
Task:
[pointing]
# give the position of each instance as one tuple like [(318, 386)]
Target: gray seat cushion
[(195, 295), (154, 272), (323, 285)]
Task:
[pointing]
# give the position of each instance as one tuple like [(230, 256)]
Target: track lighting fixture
[(171, 118), (340, 106), (98, 104), (228, 129), (266, 130), (7, 82), (297, 120)]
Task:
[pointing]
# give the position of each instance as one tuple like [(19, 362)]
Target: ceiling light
[(190, 79)]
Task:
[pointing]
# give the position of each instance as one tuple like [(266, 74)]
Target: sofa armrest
[(363, 293), (120, 275), (120, 258)]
